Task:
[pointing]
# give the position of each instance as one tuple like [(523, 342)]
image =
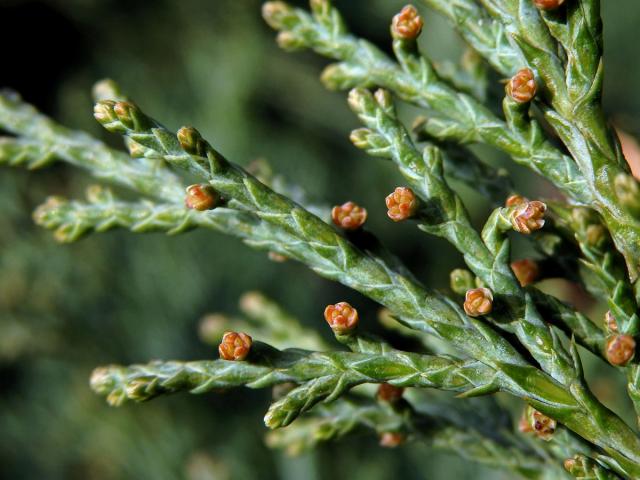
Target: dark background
[(124, 298)]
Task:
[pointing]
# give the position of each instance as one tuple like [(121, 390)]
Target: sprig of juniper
[(347, 415), (453, 115), (418, 308), (322, 376), (456, 116), (41, 141), (573, 90), (565, 52)]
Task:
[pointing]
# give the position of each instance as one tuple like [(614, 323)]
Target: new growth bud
[(407, 25), (125, 112), (120, 116), (388, 393), (360, 137), (341, 317), (192, 142), (336, 76), (401, 204), (526, 271), (277, 14), (620, 349), (383, 98), (289, 41), (349, 216), (201, 197), (548, 4), (234, 346), (528, 217), (101, 381), (478, 302), (461, 280), (47, 211), (522, 87), (103, 112)]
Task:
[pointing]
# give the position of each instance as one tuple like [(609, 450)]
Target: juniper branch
[(574, 93), (458, 117), (603, 262), (73, 219), (608, 269), (40, 140), (336, 420), (322, 376), (287, 228), (300, 235), (565, 48), (444, 215), (461, 118)]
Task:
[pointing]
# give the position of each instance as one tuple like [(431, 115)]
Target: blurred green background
[(124, 298)]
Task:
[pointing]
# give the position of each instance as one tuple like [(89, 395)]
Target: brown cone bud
[(401, 204), (349, 216), (543, 427), (526, 271), (620, 349), (389, 393), (522, 87), (341, 317), (515, 200), (201, 197), (478, 301), (548, 4), (234, 346), (392, 439), (528, 217), (407, 25)]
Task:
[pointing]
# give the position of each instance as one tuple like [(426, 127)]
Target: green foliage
[(525, 345)]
